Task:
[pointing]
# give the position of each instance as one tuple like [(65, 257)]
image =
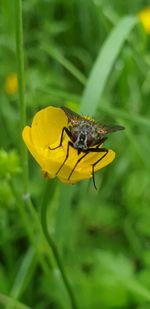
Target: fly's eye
[(89, 140)]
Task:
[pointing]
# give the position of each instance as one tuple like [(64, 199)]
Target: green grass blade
[(133, 118), (6, 300), (104, 63), (21, 84), (68, 65), (24, 273)]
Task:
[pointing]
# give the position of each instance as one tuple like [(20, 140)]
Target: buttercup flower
[(45, 134), (144, 17), (11, 84)]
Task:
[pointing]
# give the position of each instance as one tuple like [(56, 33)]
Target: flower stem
[(47, 193), (20, 69), (21, 86)]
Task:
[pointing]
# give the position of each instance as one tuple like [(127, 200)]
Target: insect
[(85, 136)]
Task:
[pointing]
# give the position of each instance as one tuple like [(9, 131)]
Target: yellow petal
[(47, 126), (26, 135), (48, 160), (91, 158), (53, 160), (84, 169)]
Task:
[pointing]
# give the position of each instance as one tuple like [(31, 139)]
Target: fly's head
[(83, 134)]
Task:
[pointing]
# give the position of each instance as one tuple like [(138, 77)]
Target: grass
[(90, 249)]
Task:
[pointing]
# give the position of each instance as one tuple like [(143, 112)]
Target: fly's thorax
[(84, 134)]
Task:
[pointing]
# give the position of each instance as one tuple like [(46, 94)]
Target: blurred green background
[(103, 237)]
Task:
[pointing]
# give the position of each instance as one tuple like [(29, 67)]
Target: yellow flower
[(44, 135), (144, 17), (11, 84)]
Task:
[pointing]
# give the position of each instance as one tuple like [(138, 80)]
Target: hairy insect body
[(84, 134)]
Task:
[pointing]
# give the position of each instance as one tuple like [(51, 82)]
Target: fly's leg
[(93, 165), (77, 164), (86, 151), (67, 155), (65, 129)]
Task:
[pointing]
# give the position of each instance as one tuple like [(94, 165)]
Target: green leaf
[(104, 63)]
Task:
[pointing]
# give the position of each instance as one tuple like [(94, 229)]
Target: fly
[(86, 136)]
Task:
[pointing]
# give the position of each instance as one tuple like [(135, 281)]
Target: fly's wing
[(106, 129), (70, 114), (101, 129)]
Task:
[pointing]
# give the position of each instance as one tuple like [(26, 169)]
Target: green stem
[(20, 69), (51, 243), (21, 88), (25, 200)]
